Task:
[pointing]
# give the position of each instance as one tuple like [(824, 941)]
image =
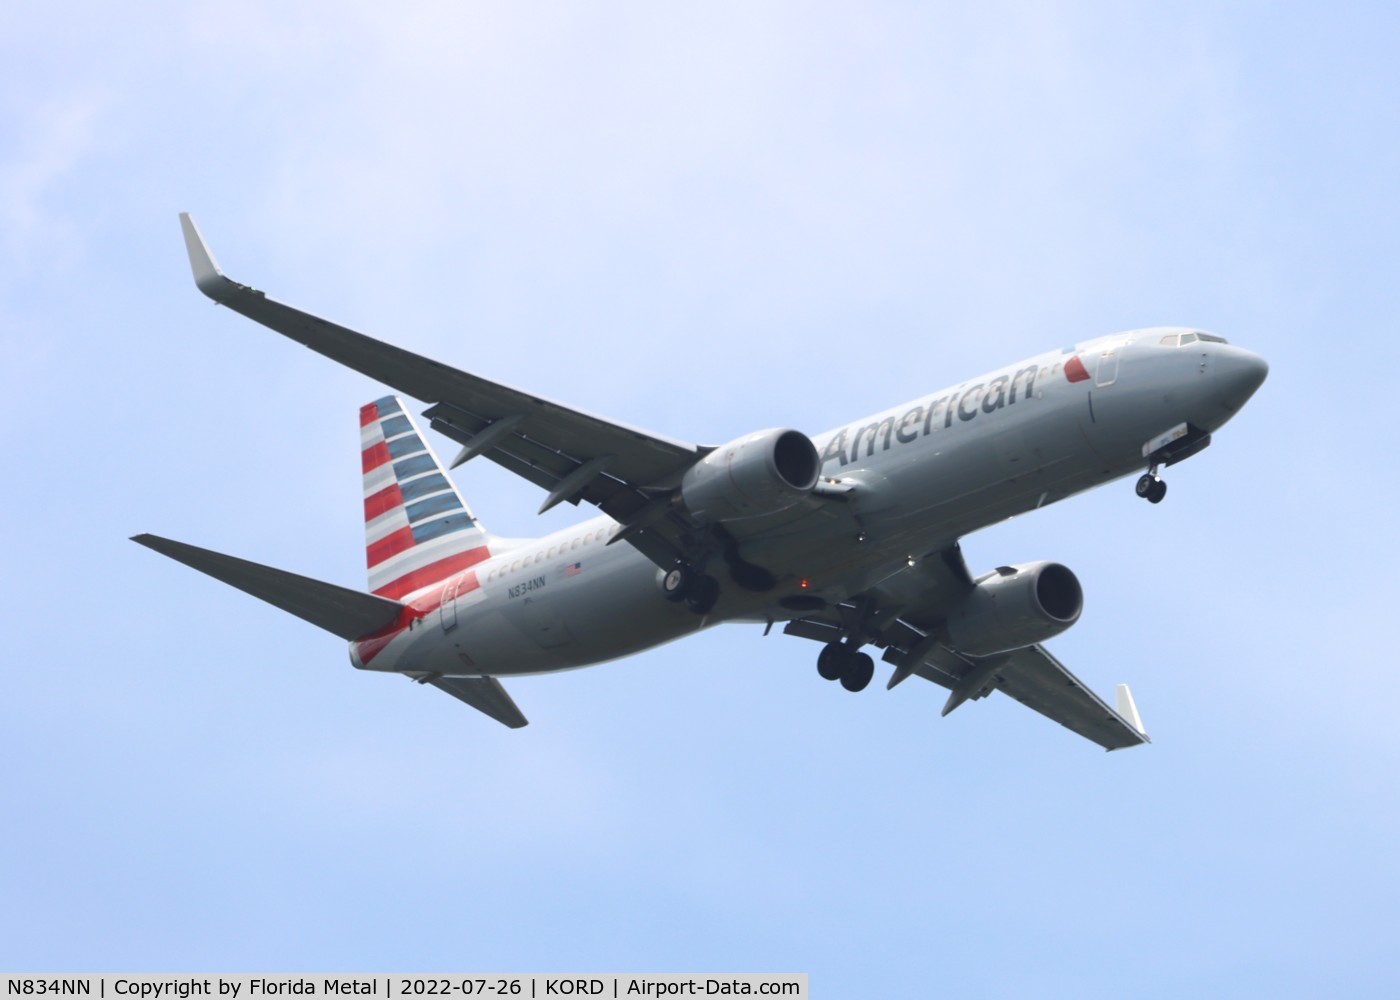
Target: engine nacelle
[(758, 474), (1014, 607)]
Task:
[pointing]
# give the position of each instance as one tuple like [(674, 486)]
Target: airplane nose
[(1241, 373)]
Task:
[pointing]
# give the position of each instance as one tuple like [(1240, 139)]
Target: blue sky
[(701, 221)]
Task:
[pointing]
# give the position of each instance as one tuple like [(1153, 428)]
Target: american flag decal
[(573, 569), (418, 531)]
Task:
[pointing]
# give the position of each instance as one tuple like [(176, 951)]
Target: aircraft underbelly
[(610, 608), (1001, 471)]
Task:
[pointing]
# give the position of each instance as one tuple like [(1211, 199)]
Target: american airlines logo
[(921, 420)]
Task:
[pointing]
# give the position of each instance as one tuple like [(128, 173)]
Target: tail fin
[(418, 531)]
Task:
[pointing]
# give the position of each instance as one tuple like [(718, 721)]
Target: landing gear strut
[(1150, 486), (853, 669)]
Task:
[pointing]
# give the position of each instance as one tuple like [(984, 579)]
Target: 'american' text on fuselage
[(983, 397)]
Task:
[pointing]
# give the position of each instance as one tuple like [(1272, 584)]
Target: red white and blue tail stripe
[(418, 531)]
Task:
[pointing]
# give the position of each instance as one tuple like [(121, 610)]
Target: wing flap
[(485, 694), (347, 613)]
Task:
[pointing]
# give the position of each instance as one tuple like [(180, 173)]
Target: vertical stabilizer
[(418, 531)]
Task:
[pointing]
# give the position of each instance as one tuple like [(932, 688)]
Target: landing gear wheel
[(704, 592), (831, 660), (858, 672), (676, 584), (1151, 487)]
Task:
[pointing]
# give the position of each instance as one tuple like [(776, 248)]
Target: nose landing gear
[(1150, 486), (1175, 445)]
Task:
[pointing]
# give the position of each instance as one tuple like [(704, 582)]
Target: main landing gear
[(700, 592), (852, 668)]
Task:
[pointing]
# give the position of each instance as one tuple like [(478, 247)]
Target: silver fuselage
[(915, 477)]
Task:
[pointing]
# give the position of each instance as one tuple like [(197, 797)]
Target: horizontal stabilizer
[(348, 613), (484, 694)]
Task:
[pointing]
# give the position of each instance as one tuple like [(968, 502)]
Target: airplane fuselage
[(897, 485)]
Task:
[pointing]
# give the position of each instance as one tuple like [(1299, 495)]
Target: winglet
[(207, 276), (1127, 709)]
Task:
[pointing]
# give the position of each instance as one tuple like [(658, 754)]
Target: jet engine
[(761, 473), (1016, 606)]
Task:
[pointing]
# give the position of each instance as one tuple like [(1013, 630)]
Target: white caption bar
[(400, 986)]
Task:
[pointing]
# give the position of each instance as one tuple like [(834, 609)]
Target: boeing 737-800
[(849, 538)]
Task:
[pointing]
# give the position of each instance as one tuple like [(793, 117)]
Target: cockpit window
[(1182, 339)]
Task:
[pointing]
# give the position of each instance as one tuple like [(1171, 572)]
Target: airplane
[(849, 538)]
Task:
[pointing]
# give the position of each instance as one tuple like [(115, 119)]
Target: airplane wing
[(905, 618), (1039, 681), (571, 454)]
